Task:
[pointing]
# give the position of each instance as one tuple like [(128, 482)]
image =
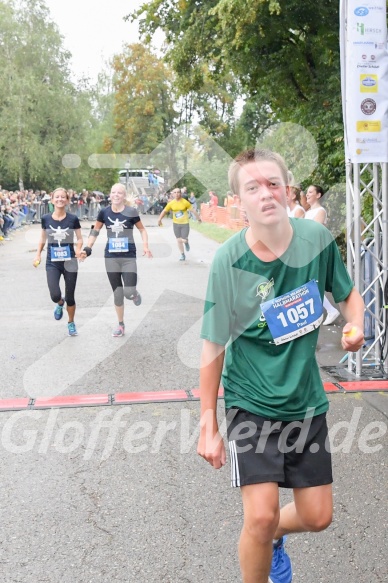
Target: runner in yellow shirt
[(180, 217)]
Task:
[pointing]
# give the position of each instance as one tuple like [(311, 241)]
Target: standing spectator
[(86, 199), (73, 201), (294, 208), (213, 198), (145, 203), (163, 199), (318, 213), (80, 205), (156, 183), (213, 203), (303, 201), (193, 201), (229, 200)]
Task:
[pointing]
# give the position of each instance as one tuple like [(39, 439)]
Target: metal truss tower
[(367, 245)]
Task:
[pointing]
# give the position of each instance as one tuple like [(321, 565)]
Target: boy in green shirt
[(262, 315)]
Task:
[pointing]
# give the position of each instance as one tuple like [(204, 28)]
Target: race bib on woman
[(60, 253), (118, 245), (295, 313)]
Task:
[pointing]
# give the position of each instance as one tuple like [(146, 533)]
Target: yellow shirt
[(179, 210)]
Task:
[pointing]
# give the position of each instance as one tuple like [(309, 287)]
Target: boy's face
[(263, 192)]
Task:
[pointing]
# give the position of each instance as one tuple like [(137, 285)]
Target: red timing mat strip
[(158, 396), (365, 386), (71, 401), (150, 396)]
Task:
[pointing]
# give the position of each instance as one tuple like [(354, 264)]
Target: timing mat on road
[(104, 400)]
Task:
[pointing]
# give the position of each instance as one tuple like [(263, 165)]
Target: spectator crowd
[(24, 207)]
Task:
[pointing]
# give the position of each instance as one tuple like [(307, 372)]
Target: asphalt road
[(117, 493)]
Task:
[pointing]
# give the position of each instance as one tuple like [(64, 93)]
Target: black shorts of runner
[(181, 231), (295, 454)]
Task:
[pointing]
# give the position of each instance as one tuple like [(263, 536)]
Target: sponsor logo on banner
[(368, 106), (367, 30), (368, 126), (360, 28), (368, 83), (361, 11), (375, 140), (364, 73)]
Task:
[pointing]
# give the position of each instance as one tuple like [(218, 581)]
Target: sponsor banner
[(364, 79)]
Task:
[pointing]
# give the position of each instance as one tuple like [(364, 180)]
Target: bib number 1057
[(295, 313), (300, 312)]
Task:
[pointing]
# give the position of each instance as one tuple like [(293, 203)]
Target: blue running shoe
[(183, 257), (119, 331), (58, 312), (72, 329), (187, 246), (281, 571)]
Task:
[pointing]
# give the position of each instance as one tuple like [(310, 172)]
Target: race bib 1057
[(295, 313)]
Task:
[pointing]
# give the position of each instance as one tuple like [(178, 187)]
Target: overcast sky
[(93, 31)]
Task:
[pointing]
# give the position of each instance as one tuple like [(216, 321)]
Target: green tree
[(42, 115), (144, 107), (284, 53)]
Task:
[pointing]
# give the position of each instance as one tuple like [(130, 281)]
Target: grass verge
[(219, 234)]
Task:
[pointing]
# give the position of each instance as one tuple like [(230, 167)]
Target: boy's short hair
[(255, 155)]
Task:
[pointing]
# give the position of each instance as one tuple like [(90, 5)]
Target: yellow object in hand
[(351, 332), (36, 263)]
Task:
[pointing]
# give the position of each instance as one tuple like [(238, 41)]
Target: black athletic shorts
[(295, 454), (181, 231)]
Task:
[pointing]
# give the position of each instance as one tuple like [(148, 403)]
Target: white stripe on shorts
[(235, 472)]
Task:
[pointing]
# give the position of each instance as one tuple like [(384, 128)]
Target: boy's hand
[(352, 338), (211, 447)]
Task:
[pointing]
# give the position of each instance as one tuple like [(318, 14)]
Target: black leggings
[(69, 270), (122, 275)]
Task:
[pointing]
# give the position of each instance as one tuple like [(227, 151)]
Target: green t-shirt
[(275, 381)]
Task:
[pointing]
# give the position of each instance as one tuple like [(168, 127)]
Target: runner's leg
[(261, 515), (70, 275), (53, 273), (129, 278), (179, 240), (311, 511), (113, 271)]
